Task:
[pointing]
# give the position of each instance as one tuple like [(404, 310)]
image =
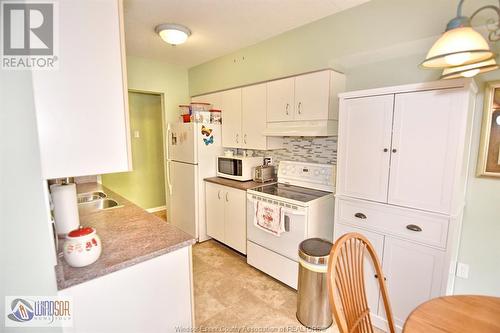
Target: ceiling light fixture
[(173, 34), (460, 44)]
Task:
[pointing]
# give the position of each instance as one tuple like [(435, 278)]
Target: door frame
[(165, 146)]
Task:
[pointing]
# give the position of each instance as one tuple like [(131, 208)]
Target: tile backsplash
[(304, 149)]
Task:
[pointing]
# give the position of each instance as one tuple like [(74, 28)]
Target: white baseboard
[(156, 209)]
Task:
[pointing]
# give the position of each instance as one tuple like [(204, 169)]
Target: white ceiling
[(218, 26)]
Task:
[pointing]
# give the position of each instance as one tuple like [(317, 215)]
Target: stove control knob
[(316, 172)]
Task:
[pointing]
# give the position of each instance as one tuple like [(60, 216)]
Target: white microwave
[(237, 167)]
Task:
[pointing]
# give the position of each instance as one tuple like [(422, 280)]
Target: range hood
[(302, 128)]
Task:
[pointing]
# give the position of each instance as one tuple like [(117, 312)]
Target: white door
[(181, 139), (312, 96), (183, 206), (253, 101), (214, 200), (280, 99), (414, 275), (235, 226), (427, 130), (231, 118), (364, 143), (371, 282)]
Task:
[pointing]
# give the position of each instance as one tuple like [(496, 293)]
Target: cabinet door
[(82, 111), (413, 275), (213, 98), (214, 206), (231, 118), (364, 141), (312, 96), (426, 138), (371, 283), (253, 101), (280, 99), (235, 230)]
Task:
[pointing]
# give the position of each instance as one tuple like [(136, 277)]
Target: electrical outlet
[(462, 270), (137, 134)]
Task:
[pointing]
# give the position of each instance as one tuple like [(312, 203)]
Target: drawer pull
[(360, 216), (413, 227)]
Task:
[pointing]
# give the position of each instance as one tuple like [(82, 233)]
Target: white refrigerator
[(192, 156)]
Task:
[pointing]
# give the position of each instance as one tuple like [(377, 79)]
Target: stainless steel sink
[(90, 196), (100, 204)]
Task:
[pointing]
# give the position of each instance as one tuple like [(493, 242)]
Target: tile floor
[(231, 294)]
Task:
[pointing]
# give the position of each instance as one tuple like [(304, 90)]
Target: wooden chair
[(346, 287)]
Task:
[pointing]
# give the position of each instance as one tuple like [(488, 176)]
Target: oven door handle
[(293, 212)]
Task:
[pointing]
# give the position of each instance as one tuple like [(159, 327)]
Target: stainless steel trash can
[(313, 309)]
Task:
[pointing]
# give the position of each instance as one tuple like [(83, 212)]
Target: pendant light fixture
[(460, 45), (469, 70), (173, 34)]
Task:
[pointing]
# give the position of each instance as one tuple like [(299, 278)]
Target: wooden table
[(456, 314)]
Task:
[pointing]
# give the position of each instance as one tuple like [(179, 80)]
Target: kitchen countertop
[(129, 236), (237, 184)]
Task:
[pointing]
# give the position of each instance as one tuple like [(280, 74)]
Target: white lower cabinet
[(153, 296), (414, 275), (226, 215), (414, 272)]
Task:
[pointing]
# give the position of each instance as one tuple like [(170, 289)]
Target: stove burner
[(291, 192)]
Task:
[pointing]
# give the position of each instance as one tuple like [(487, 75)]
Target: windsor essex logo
[(38, 311), (29, 35)]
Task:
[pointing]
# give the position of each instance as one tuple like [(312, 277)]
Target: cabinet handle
[(299, 108), (227, 198), (237, 138), (218, 194), (386, 150), (286, 109), (394, 150), (245, 139), (376, 277), (413, 227), (360, 216)]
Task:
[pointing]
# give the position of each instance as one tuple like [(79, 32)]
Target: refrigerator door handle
[(169, 130), (168, 178)]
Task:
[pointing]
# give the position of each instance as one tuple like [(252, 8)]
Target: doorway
[(145, 185)]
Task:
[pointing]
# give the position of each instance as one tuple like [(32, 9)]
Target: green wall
[(377, 44), (172, 82), (145, 185)]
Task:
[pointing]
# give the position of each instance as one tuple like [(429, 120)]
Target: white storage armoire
[(403, 156)]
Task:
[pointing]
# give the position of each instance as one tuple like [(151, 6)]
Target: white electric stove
[(304, 195)]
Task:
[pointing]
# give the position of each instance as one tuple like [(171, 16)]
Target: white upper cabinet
[(253, 100), (230, 103), (281, 100), (82, 108), (304, 105), (243, 117), (427, 128), (364, 147), (312, 96)]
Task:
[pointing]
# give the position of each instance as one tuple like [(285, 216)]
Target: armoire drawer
[(423, 227)]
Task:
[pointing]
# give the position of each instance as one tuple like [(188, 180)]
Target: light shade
[(174, 34), (456, 47), (469, 70)]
